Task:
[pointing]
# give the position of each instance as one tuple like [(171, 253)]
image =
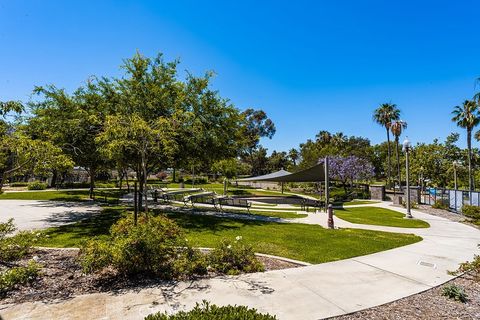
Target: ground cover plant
[(12, 249), (207, 311), (378, 216), (309, 243)]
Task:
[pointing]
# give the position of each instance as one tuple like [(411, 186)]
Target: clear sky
[(311, 65)]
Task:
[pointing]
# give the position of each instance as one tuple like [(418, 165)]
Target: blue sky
[(311, 65)]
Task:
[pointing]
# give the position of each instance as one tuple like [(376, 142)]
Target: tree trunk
[(398, 164), (2, 179), (53, 183), (389, 169), (469, 146), (174, 175), (92, 182)]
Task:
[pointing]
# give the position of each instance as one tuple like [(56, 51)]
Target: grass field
[(379, 217), (310, 243), (111, 195)]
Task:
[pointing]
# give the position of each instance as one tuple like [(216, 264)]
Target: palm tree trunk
[(398, 163), (469, 146), (389, 169)]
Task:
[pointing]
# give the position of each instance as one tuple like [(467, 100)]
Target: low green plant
[(441, 204), (454, 292), (472, 267), (155, 246), (15, 247), (413, 204), (472, 212), (37, 185), (234, 257), (207, 311), (19, 275)]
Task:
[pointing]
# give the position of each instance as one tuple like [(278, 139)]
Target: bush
[(37, 185), (155, 246), (205, 311), (18, 276), (472, 212), (234, 257), (441, 204), (472, 267), (455, 292), (19, 184), (15, 247)]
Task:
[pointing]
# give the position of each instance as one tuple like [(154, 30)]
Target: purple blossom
[(349, 169)]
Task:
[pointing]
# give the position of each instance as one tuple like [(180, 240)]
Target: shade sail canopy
[(312, 174), (267, 177)]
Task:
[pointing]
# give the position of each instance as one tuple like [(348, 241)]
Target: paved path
[(35, 214), (311, 292)]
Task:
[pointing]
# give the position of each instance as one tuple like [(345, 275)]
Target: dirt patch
[(427, 305), (447, 215), (62, 278)]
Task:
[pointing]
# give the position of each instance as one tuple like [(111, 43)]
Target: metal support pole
[(135, 203), (409, 213), (330, 217), (282, 187), (455, 175), (327, 184)]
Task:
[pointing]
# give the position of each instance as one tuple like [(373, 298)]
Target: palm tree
[(397, 128), (293, 155), (338, 139), (323, 137), (384, 115), (467, 116)]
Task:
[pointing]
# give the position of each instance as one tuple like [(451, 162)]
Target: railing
[(455, 199)]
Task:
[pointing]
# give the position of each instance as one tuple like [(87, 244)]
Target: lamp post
[(455, 164), (406, 149)]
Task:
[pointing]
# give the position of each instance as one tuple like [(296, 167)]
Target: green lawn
[(309, 243), (63, 195), (379, 217), (355, 202)]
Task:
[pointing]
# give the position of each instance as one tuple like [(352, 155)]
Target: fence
[(455, 199)]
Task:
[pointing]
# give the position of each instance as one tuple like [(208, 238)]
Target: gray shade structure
[(267, 177), (312, 174)]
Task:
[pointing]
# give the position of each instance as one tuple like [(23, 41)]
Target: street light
[(406, 149)]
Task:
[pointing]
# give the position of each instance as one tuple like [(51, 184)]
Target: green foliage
[(155, 246), (207, 311), (234, 257), (18, 276), (15, 247), (472, 212), (441, 204), (454, 292), (37, 185), (19, 184), (472, 267), (379, 216)]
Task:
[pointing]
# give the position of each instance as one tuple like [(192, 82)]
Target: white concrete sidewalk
[(311, 292)]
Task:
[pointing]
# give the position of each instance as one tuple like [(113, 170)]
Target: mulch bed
[(62, 278), (427, 305)]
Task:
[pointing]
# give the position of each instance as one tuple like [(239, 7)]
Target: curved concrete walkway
[(311, 292)]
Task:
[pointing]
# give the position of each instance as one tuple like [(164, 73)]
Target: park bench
[(177, 195), (307, 203), (235, 202), (206, 197)]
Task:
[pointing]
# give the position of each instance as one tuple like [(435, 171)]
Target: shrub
[(472, 212), (234, 257), (206, 311), (15, 247), (18, 276), (472, 267), (454, 292), (441, 204), (155, 246), (37, 185), (19, 184)]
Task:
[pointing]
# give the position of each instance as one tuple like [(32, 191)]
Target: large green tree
[(384, 115), (397, 127), (467, 116), (73, 122)]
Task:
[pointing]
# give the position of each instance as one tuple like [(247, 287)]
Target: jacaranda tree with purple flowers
[(346, 170)]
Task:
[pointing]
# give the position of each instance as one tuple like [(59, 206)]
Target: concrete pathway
[(36, 214), (311, 292)]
